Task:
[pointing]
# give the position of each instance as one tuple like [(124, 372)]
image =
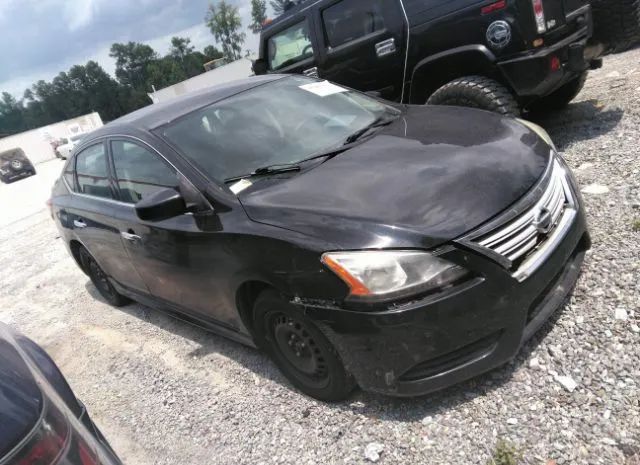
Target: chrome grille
[(523, 237)]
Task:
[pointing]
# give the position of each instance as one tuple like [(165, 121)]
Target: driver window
[(289, 46)]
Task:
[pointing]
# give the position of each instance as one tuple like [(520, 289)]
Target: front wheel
[(477, 92), (299, 349), (101, 281)]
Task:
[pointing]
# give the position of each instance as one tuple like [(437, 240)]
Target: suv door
[(362, 45), (90, 215), (291, 48)]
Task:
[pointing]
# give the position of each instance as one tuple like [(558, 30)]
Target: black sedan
[(399, 248), (15, 165), (41, 421)]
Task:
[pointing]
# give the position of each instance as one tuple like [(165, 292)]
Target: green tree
[(224, 22), (211, 52), (181, 48), (12, 118), (280, 6), (131, 61), (258, 15)]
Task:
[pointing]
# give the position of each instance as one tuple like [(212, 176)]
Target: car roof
[(159, 114)]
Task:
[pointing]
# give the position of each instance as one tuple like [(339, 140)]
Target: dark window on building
[(139, 171), (352, 19), (92, 172)]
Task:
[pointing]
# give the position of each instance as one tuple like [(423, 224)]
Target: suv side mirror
[(259, 66), (164, 204)]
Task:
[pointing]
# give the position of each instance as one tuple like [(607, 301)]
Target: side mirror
[(164, 204), (259, 66)]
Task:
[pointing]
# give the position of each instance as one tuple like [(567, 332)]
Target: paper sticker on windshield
[(240, 186), (323, 89)]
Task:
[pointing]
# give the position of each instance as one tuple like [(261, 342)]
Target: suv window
[(351, 19), (92, 172), (139, 171), (289, 46)]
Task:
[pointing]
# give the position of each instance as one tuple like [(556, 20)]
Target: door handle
[(311, 72), (130, 237), (386, 47), (79, 224)]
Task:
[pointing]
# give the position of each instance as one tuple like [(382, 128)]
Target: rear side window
[(70, 175), (92, 172), (139, 171), (290, 46), (352, 19)]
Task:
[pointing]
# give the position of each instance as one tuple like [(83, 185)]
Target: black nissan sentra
[(398, 248)]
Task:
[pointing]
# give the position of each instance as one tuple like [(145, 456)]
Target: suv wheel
[(617, 23), (561, 97), (299, 349), (477, 92), (100, 280)]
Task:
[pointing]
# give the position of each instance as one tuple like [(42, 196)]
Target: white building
[(36, 143), (233, 71)]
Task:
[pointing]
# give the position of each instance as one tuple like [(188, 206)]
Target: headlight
[(544, 135), (390, 273)]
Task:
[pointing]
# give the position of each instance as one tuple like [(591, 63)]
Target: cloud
[(41, 38)]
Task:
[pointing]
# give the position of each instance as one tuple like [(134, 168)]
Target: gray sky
[(40, 38)]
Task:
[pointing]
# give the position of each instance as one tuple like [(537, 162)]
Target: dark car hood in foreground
[(20, 398), (434, 174)]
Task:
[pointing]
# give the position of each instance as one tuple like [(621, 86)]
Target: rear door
[(291, 47), (90, 215), (363, 44)]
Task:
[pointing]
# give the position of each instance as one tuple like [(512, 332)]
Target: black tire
[(560, 98), (101, 281), (299, 349), (477, 92), (617, 23)]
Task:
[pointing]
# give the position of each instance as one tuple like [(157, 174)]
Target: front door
[(291, 48), (175, 257), (90, 214), (362, 45)]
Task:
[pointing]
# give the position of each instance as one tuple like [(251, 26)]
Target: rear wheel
[(299, 349), (477, 92), (101, 281), (563, 96), (617, 23)]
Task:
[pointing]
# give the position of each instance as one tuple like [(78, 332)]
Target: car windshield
[(282, 122)]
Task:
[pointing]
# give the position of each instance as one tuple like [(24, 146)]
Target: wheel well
[(245, 298), (431, 76), (75, 247)]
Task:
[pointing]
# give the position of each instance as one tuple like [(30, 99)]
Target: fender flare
[(475, 51)]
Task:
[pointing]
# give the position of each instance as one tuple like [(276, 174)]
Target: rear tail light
[(48, 441), (538, 11), (53, 442), (555, 63), (497, 6)]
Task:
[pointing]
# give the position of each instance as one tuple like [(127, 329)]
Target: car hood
[(429, 177), (20, 397)]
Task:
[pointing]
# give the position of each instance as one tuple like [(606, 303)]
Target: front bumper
[(530, 74), (441, 340)]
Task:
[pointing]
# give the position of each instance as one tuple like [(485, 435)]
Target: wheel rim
[(100, 279), (299, 349), (16, 164)]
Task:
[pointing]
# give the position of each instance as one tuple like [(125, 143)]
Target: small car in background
[(15, 165), (41, 421), (400, 248), (64, 149)]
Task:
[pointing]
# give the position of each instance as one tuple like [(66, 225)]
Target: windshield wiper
[(377, 123), (266, 170)]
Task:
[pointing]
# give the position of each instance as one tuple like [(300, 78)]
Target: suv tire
[(477, 92), (617, 23), (560, 98), (299, 349)]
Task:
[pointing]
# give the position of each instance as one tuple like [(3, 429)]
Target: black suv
[(14, 165), (503, 56)]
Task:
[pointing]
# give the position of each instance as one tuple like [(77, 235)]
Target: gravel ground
[(168, 393)]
